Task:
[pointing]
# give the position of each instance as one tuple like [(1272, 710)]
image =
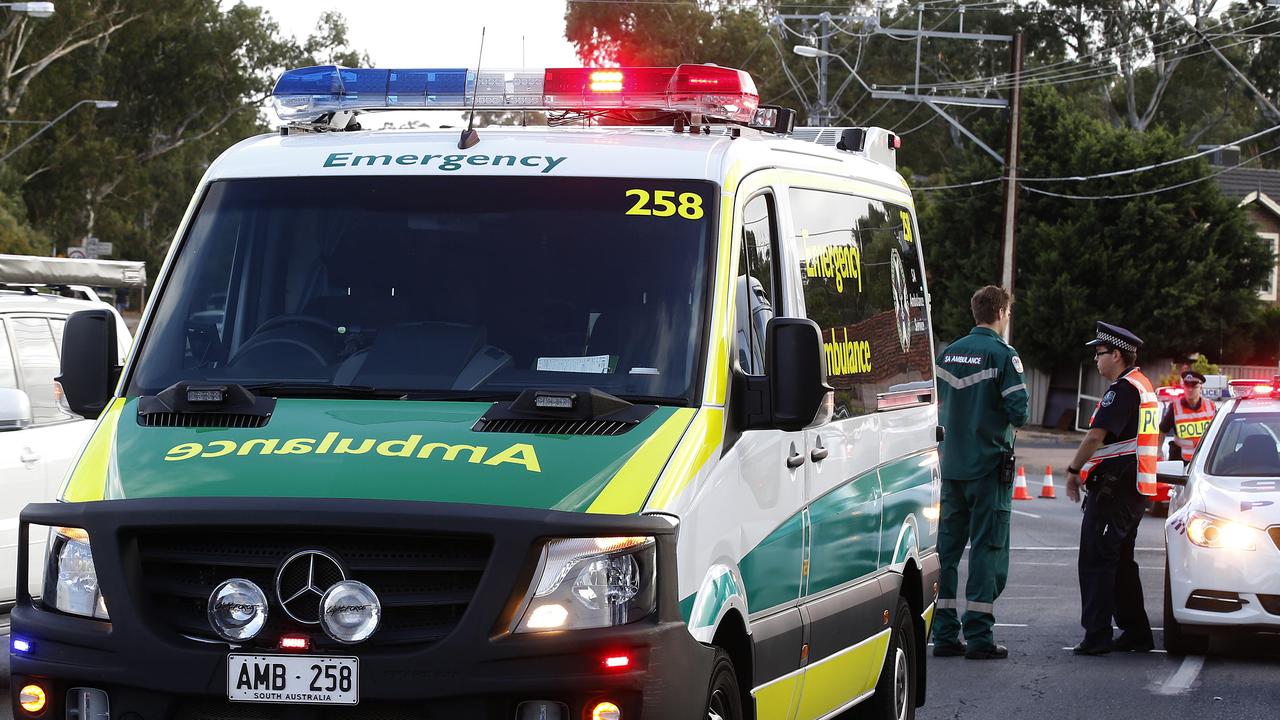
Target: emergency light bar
[(1254, 388), (717, 92)]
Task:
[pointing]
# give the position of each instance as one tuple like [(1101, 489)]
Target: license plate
[(293, 679)]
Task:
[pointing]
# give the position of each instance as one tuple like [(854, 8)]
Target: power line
[(1167, 188)]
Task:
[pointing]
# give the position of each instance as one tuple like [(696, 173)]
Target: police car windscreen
[(439, 285), (1248, 445)]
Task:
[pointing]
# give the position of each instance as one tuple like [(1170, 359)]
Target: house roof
[(1238, 183)]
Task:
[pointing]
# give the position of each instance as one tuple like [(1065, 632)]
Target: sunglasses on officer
[(1102, 353)]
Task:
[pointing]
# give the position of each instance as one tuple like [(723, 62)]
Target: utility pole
[(1008, 254), (824, 22)]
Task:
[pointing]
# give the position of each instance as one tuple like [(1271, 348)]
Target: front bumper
[(1206, 578), (478, 670)]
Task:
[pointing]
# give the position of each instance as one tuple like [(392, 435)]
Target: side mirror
[(1171, 472), (794, 387), (15, 409), (90, 360)]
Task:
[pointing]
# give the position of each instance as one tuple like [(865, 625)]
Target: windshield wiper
[(459, 395), (315, 389)]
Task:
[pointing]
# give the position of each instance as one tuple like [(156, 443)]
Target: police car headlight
[(1214, 532), (592, 582), (71, 581)]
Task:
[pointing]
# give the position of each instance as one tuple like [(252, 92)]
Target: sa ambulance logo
[(1017, 364)]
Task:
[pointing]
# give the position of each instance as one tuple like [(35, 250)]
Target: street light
[(34, 9), (809, 51), (99, 104)]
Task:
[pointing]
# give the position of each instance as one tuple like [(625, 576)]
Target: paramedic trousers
[(974, 512), (1109, 582)]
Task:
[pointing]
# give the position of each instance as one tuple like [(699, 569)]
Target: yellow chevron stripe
[(628, 489), (89, 479), (838, 680), (700, 443)]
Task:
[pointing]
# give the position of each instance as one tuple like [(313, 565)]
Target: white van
[(582, 421), (39, 437)]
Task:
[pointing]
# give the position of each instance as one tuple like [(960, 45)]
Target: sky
[(441, 33)]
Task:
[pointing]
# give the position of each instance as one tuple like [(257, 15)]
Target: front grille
[(425, 582), (1274, 532), (554, 427), (202, 420)]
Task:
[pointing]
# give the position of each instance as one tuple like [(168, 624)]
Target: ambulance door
[(768, 506), (842, 598)]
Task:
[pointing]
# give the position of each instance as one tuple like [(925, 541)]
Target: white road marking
[(1010, 625), (1181, 679), (1118, 652), (1030, 515), (1073, 548)]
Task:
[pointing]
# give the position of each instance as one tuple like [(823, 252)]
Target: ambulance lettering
[(522, 454), (447, 163), (833, 262), (847, 357)]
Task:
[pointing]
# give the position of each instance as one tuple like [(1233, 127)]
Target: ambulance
[(628, 416), (1222, 537)]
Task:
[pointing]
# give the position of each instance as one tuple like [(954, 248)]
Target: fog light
[(31, 698), (350, 611), (548, 617), (542, 710), (606, 711), (237, 609)]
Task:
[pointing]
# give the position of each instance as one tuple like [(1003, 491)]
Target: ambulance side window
[(864, 286), (755, 285)]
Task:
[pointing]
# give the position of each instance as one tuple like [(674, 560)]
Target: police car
[(1223, 532), (575, 422)]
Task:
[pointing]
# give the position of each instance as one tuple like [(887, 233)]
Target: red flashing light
[(296, 643), (606, 81), (710, 90), (895, 141), (617, 662)]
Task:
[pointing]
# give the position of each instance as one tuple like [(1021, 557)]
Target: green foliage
[(1168, 266)]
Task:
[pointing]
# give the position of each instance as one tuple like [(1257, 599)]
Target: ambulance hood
[(375, 449)]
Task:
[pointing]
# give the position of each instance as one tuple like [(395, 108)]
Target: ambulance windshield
[(439, 286)]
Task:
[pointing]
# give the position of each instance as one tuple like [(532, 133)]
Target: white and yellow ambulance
[(630, 416)]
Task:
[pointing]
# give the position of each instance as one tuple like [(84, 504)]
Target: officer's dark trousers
[(976, 512), (1109, 582)]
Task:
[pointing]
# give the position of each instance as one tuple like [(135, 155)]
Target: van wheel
[(895, 695), (724, 699), (1176, 640)]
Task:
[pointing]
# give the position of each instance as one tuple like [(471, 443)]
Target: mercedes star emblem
[(303, 579)]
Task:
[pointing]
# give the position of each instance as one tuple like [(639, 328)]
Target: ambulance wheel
[(895, 696), (724, 699), (1176, 640)]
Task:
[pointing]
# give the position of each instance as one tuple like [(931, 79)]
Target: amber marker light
[(606, 711), (31, 698)]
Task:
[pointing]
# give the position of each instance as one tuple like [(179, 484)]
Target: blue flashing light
[(313, 91), (20, 645)]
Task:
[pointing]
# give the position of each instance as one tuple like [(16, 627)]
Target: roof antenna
[(469, 136)]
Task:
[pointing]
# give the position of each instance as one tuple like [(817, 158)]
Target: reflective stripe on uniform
[(962, 383), (946, 603), (982, 607), (1011, 390)]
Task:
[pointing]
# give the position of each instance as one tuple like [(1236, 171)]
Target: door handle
[(29, 457), (796, 459), (818, 454)]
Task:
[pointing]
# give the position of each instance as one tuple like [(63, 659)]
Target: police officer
[(983, 398), (1119, 455), (1188, 417)]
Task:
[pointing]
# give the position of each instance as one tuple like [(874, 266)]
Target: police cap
[(1116, 337)]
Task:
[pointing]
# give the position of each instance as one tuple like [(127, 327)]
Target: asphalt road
[(1038, 620)]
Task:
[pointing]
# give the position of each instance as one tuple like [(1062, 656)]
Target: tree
[(1169, 266)]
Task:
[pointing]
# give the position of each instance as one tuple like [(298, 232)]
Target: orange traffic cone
[(1047, 490), (1020, 486)]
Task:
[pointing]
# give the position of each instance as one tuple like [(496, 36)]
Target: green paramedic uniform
[(983, 398)]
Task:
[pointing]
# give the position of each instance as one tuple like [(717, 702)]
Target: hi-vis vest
[(1147, 445), (1189, 425)]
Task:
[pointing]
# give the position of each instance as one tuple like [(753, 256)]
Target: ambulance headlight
[(591, 583), (71, 581), (1215, 532), (237, 609)]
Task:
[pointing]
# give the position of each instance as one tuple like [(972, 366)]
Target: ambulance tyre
[(895, 695), (1176, 640), (724, 698)]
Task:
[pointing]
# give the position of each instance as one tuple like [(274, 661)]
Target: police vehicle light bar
[(1254, 388), (713, 91)]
